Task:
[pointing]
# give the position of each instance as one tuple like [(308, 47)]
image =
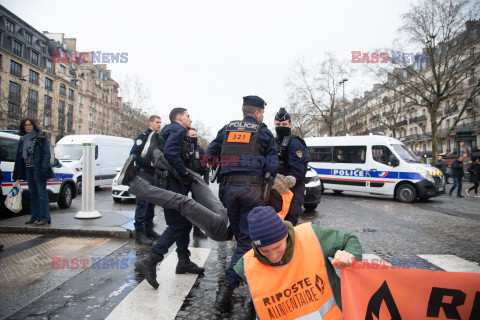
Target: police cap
[(254, 101), (282, 115)]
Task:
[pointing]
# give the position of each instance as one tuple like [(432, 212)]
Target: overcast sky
[(206, 55)]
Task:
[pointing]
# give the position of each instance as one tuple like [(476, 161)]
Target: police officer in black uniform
[(144, 212), (247, 151), (194, 153), (292, 158), (173, 140)]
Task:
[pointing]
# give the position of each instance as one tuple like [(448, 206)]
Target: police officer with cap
[(144, 212), (247, 151), (292, 158)]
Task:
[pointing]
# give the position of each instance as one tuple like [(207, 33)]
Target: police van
[(61, 189), (373, 164), (110, 153)]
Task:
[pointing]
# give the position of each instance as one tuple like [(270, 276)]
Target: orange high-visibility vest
[(286, 201), (296, 289)]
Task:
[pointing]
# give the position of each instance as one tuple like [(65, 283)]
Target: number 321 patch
[(299, 154)]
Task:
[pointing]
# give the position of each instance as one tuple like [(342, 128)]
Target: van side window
[(349, 154), (319, 154), (8, 149), (383, 155)]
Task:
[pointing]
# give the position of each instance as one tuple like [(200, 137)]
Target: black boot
[(151, 234), (129, 171), (197, 232), (224, 301), (140, 237), (148, 268), (186, 266)]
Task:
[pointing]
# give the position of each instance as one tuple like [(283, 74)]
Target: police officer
[(247, 150), (194, 153), (144, 212), (292, 158), (178, 228)]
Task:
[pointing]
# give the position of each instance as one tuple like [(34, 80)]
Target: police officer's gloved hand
[(187, 179), (282, 184)]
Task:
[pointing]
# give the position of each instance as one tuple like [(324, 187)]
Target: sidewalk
[(114, 224)]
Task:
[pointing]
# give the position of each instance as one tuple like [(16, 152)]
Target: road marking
[(144, 302), (449, 262)]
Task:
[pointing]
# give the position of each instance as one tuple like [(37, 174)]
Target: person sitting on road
[(289, 263)]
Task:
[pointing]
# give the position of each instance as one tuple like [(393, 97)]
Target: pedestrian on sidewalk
[(285, 258), (457, 175), (145, 211), (33, 164), (474, 171)]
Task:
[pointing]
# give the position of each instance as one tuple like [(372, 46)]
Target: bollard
[(88, 183)]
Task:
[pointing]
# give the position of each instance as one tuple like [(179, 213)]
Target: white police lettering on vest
[(244, 125), (348, 173)]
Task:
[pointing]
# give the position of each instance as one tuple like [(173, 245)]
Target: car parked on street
[(313, 190), (119, 191)]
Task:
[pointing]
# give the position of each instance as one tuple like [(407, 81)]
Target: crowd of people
[(261, 194)]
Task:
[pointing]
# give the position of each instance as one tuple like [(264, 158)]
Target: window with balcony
[(34, 58), (63, 69), (71, 95), (14, 100), (28, 38), (80, 100), (17, 48), (49, 66), (33, 77), (10, 26), (32, 106), (48, 84), (61, 115), (69, 118), (15, 69), (47, 112), (63, 90)]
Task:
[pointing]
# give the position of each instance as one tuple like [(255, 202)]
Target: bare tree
[(204, 133), (301, 116), (135, 93), (319, 88), (442, 78)]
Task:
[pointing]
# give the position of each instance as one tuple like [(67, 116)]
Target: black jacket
[(41, 160), (457, 169), (474, 172)]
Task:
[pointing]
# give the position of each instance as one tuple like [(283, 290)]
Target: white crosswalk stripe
[(451, 263), (146, 303)]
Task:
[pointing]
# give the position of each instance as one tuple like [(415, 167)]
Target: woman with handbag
[(33, 164)]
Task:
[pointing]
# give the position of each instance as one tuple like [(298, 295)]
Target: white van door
[(382, 174), (348, 171)]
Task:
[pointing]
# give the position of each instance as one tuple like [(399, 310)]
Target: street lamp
[(344, 123)]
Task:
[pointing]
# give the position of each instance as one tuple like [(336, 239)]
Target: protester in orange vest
[(288, 271)]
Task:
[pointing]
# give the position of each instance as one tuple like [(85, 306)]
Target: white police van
[(61, 189), (110, 153), (373, 164)]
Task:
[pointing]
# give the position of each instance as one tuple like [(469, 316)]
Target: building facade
[(42, 76), (386, 111)]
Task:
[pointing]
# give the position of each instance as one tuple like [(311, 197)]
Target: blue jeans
[(145, 210), (240, 200), (178, 227), (39, 203), (457, 182)]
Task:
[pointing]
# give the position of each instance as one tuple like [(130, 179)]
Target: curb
[(111, 232)]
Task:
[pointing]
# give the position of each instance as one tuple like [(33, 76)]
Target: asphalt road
[(401, 233)]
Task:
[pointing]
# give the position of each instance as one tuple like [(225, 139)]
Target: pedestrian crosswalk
[(144, 302), (113, 293)]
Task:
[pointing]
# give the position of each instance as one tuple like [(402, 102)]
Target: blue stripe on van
[(59, 177), (373, 174)]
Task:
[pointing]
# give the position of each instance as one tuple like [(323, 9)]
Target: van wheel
[(450, 180), (337, 191), (406, 193), (66, 196), (79, 186), (117, 200)]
